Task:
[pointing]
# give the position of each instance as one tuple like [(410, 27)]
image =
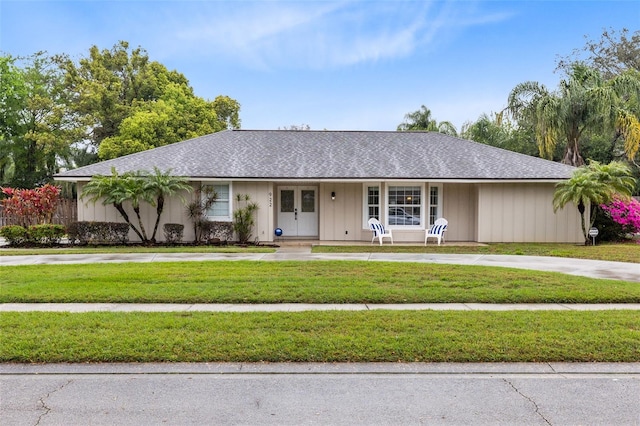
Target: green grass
[(333, 336), (303, 282), (628, 252), (7, 251), (427, 336)]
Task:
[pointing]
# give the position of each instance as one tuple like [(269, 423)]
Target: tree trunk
[(584, 229), (124, 214), (572, 155), (159, 209), (144, 234), (612, 147)]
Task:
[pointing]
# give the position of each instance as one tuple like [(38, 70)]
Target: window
[(308, 197), (434, 204), (370, 203), (373, 202), (287, 200), (221, 209), (405, 204), (417, 206)]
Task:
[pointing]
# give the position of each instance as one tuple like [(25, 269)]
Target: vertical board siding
[(262, 194), (340, 219), (512, 212), (490, 212), (459, 208)]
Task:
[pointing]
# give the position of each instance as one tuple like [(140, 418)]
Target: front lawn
[(408, 336), (627, 252), (302, 282)]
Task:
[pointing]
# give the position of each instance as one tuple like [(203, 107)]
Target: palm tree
[(112, 190), (627, 118), (162, 185), (421, 120), (592, 185), (134, 189), (584, 101)]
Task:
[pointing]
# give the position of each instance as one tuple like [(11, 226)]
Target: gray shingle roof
[(351, 155)]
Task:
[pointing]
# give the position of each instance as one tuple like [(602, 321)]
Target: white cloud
[(319, 35)]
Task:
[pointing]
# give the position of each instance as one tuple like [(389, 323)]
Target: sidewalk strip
[(302, 307)]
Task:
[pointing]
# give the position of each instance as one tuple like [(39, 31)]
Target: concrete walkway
[(303, 307), (581, 267)]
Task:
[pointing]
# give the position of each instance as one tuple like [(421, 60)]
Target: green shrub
[(14, 234), (216, 232), (46, 234), (243, 220), (609, 229), (98, 233), (173, 232)]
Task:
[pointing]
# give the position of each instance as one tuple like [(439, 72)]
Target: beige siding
[(263, 194), (514, 212), (340, 219), (459, 208), (508, 212), (175, 211)]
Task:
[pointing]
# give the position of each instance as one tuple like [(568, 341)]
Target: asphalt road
[(323, 394)]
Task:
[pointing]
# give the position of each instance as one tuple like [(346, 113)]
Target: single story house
[(325, 185)]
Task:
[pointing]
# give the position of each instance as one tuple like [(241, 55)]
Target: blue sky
[(336, 65)]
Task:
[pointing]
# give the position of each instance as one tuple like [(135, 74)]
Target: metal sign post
[(593, 233)]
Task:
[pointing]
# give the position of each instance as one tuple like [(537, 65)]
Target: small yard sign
[(593, 233)]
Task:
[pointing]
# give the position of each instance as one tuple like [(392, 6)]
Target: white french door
[(298, 211)]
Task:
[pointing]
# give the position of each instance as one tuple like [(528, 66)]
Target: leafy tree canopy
[(612, 55), (55, 112), (500, 132), (36, 125), (130, 103), (583, 102), (176, 116)]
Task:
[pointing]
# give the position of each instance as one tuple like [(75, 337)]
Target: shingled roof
[(348, 155)]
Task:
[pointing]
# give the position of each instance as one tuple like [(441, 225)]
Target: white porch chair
[(437, 230), (378, 230)]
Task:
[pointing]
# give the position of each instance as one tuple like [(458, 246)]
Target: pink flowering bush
[(626, 213), (28, 207)]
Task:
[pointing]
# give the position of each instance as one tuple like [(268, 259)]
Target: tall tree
[(228, 111), (129, 103), (12, 95), (177, 115), (500, 132), (591, 186), (612, 55), (421, 120), (583, 101), (106, 84), (37, 127)]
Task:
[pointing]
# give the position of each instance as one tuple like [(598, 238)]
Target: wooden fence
[(66, 213)]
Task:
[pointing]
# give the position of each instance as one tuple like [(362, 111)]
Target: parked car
[(398, 216)]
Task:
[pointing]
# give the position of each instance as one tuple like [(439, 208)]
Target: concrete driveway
[(581, 267)]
